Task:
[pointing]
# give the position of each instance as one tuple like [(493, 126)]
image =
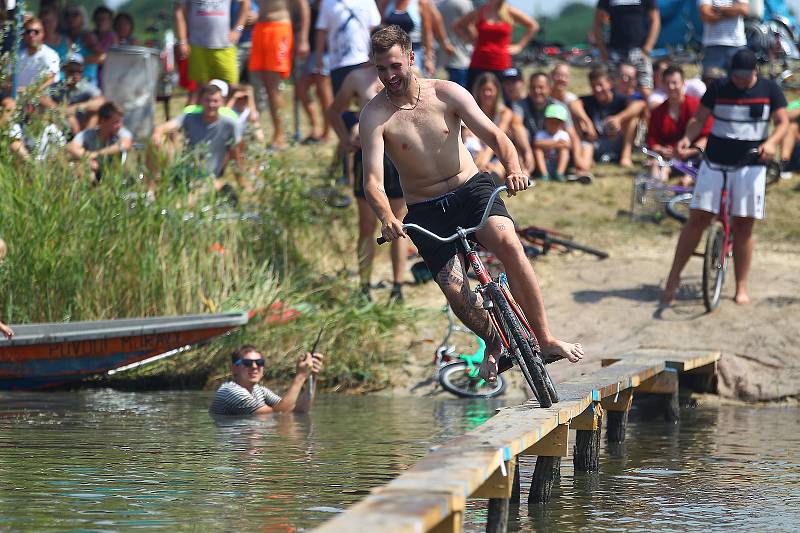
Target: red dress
[(666, 131), (491, 46)]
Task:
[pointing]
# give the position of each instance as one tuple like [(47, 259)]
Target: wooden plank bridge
[(431, 496)]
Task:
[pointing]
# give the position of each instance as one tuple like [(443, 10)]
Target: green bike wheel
[(455, 378)]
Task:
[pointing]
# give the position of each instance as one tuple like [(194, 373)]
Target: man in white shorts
[(742, 106)]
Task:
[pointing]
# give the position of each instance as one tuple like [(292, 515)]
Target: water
[(111, 461)]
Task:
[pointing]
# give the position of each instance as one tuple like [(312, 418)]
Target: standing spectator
[(243, 50), (419, 19), (84, 42), (123, 27), (669, 120), (206, 39), (320, 79), (552, 143), (99, 146), (103, 19), (614, 119), (36, 63), (345, 27), (490, 28), (723, 30), (271, 57), (52, 36), (742, 107), (457, 63), (81, 99), (635, 25)]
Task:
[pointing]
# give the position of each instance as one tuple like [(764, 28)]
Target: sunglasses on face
[(249, 362)]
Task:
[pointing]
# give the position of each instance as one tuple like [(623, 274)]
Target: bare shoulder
[(373, 113), (447, 89)]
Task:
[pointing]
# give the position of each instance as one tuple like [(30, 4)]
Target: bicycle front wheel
[(455, 378), (714, 263), (530, 364)]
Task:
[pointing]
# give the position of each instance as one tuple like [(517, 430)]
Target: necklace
[(419, 91)]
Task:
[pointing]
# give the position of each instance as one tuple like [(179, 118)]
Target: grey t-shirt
[(218, 136), (208, 22), (451, 11), (90, 139), (233, 399)]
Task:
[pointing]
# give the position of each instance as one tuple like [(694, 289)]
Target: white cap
[(222, 86)]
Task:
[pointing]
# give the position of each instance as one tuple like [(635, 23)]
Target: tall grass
[(83, 252)]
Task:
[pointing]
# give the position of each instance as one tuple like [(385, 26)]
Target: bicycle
[(457, 373), (506, 317), (651, 194)]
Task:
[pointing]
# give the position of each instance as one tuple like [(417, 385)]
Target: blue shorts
[(311, 65)]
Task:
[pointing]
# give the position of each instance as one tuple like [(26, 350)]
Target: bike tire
[(520, 348), (454, 378), (714, 266), (572, 245), (678, 207)]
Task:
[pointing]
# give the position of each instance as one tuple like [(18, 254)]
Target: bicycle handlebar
[(456, 235)]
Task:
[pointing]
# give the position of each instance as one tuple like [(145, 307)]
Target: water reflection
[(111, 460)]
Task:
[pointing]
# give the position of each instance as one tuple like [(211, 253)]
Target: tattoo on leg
[(501, 227)]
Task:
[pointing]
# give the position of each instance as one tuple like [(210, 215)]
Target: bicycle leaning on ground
[(505, 315), (456, 371)]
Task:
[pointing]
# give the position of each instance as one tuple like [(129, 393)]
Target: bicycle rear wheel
[(714, 266), (513, 331), (678, 207), (455, 378), (572, 245)]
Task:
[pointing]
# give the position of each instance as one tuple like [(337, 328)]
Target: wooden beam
[(588, 420), (619, 402), (608, 361), (554, 444), (710, 368), (499, 484), (451, 524), (664, 383)]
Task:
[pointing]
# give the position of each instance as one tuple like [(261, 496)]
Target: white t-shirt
[(656, 98), (51, 138), (348, 23), (31, 67), (694, 87), (560, 135), (728, 32)]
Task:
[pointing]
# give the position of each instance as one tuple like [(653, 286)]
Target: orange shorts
[(272, 48)]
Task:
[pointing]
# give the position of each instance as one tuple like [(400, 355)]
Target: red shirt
[(665, 131), (491, 46)]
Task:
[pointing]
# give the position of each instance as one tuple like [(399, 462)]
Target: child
[(5, 330), (551, 148)]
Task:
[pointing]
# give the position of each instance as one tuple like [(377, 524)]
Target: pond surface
[(112, 461)]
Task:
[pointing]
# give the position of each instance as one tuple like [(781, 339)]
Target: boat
[(52, 354)]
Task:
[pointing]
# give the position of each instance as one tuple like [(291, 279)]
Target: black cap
[(743, 63), (512, 74)]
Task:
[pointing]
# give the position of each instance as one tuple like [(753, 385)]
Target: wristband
[(239, 28)]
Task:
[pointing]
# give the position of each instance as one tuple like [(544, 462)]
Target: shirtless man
[(418, 123), (271, 53), (360, 86)]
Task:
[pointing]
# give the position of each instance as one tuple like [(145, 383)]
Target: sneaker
[(396, 296)]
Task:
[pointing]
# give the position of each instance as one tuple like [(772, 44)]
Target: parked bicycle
[(652, 196), (505, 315), (457, 372)]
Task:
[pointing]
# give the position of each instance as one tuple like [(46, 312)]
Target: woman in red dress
[(490, 28)]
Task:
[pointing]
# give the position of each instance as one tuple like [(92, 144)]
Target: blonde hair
[(503, 12)]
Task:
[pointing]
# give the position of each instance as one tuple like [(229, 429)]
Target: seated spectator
[(209, 127), (52, 36), (35, 136), (81, 99), (83, 41), (101, 144), (244, 395), (513, 89), (37, 63), (659, 93), (559, 91), (552, 143), (123, 27), (614, 119), (488, 95), (668, 121), (533, 108), (626, 82)]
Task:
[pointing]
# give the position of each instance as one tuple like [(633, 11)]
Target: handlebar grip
[(381, 240)]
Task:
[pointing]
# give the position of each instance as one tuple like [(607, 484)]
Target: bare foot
[(668, 296), (626, 163), (563, 350), (742, 298), (488, 369)]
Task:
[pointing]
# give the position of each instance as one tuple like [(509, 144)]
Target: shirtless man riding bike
[(417, 122)]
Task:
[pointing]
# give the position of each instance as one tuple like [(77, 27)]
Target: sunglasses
[(33, 31), (249, 362)]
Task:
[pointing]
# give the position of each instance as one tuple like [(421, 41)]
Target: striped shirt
[(741, 118), (726, 32), (233, 399)]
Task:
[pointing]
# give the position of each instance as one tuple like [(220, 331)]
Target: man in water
[(244, 396), (418, 123)]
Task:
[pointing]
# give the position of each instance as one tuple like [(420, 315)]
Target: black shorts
[(339, 74), (391, 178), (462, 206)]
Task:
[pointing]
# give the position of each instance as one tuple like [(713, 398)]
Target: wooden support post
[(664, 386), (497, 517), (515, 488), (544, 475), (618, 407), (498, 488), (452, 524), (586, 453)]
